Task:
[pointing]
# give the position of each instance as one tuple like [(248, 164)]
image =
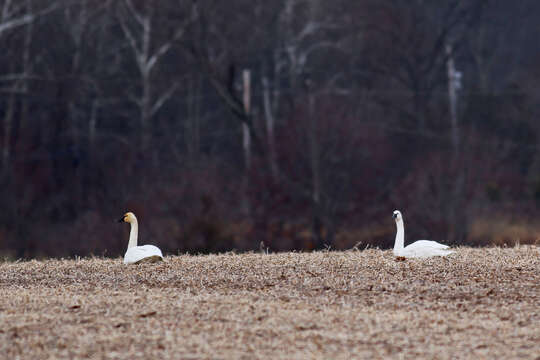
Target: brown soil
[(477, 303)]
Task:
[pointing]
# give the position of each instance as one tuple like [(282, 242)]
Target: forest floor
[(477, 303)]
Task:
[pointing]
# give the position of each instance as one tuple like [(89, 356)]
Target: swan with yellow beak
[(138, 254)]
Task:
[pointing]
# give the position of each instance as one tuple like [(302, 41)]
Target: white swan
[(418, 249), (137, 254)]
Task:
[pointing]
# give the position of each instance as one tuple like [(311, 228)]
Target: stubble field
[(477, 303)]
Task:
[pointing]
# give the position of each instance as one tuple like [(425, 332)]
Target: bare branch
[(137, 15), (178, 34), (7, 25), (163, 98), (132, 42)]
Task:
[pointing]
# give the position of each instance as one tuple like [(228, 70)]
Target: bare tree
[(408, 48), (301, 33), (14, 16), (139, 24)]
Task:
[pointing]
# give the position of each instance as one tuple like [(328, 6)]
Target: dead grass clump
[(477, 303)]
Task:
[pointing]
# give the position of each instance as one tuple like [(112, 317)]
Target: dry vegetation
[(478, 303)]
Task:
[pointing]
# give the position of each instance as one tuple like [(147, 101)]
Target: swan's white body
[(418, 249), (149, 253), (137, 254)]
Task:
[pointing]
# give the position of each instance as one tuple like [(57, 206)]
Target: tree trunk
[(192, 124), (144, 136), (269, 117), (92, 129), (457, 217), (8, 125), (27, 70), (318, 224), (452, 98), (246, 143)]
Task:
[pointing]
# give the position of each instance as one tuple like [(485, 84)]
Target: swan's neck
[(133, 233), (400, 236)]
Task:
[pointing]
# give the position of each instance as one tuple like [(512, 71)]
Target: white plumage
[(137, 254), (418, 249)]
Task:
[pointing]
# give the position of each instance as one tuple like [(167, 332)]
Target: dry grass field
[(477, 303)]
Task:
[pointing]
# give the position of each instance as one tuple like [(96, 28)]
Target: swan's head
[(128, 217), (396, 215)]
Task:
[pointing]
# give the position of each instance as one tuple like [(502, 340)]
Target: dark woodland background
[(353, 109)]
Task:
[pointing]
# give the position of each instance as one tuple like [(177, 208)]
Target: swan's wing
[(426, 248), (137, 253), (426, 244), (424, 252), (151, 249)]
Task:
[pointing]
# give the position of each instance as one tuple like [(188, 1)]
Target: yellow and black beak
[(122, 219)]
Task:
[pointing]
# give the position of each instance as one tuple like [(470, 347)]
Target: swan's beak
[(394, 216), (121, 220)]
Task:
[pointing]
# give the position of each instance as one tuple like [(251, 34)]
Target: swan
[(137, 254), (418, 249)]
